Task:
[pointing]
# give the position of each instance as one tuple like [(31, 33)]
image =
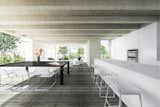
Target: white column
[(110, 45), (158, 42), (94, 50)]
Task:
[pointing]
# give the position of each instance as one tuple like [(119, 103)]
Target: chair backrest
[(4, 77), (3, 73), (16, 70), (46, 71)]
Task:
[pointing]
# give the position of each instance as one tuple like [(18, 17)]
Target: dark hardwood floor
[(78, 91)]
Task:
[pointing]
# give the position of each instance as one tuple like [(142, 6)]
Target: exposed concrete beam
[(71, 32), (73, 26), (87, 4), (61, 31), (50, 19), (80, 12), (65, 30), (13, 9), (74, 35), (71, 38)]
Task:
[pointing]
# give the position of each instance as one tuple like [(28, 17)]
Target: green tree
[(72, 56), (80, 52), (7, 42), (5, 59), (103, 51), (63, 51), (18, 58)]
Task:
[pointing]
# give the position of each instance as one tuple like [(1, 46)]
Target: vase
[(38, 59), (79, 58)]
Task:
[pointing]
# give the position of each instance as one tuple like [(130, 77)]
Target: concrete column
[(94, 50), (110, 45), (158, 41)]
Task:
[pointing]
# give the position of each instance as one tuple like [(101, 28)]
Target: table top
[(35, 63)]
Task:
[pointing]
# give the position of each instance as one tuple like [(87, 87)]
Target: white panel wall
[(144, 39)]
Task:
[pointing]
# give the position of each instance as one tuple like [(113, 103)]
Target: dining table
[(28, 64)]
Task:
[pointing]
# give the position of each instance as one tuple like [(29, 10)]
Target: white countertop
[(147, 70)]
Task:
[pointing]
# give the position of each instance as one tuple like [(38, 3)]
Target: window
[(71, 51), (12, 49), (105, 49)]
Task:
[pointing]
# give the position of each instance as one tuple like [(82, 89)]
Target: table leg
[(68, 68), (61, 75), (27, 70)]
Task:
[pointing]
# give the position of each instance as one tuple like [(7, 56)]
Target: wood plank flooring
[(78, 91)]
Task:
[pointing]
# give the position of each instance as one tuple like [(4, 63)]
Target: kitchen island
[(144, 77)]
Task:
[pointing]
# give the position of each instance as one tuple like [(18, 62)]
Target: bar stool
[(121, 88), (97, 74), (92, 72), (102, 83), (97, 77)]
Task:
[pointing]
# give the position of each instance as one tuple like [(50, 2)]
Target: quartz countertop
[(148, 70)]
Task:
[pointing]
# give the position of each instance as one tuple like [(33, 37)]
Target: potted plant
[(80, 53)]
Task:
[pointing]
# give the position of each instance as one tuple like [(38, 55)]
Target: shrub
[(18, 58), (5, 59), (72, 56)]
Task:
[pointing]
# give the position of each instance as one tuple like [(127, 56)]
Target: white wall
[(144, 39)]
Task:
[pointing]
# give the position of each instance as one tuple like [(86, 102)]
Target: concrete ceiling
[(76, 19)]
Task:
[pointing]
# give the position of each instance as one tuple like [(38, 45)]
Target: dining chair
[(48, 73), (6, 79)]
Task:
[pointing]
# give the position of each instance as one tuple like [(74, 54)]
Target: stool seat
[(121, 87)]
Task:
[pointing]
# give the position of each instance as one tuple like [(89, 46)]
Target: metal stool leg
[(100, 89), (106, 103), (140, 99), (120, 102)]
